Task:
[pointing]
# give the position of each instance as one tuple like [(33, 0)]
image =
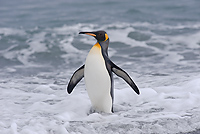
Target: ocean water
[(156, 42)]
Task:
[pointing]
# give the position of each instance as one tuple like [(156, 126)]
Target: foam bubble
[(12, 31)]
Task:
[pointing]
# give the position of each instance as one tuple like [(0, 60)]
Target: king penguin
[(98, 74)]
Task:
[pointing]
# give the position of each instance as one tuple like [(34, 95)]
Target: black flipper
[(121, 73), (76, 77)]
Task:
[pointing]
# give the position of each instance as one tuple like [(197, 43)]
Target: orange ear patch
[(106, 36)]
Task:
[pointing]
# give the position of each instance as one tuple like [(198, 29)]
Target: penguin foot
[(93, 110)]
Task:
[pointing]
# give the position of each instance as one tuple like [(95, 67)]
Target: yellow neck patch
[(97, 45), (106, 36)]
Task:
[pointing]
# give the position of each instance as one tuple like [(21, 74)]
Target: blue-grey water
[(156, 42)]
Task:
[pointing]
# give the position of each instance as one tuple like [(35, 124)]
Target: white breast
[(97, 80)]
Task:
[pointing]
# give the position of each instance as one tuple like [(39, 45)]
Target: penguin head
[(98, 35)]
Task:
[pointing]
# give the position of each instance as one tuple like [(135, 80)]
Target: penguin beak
[(89, 33)]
